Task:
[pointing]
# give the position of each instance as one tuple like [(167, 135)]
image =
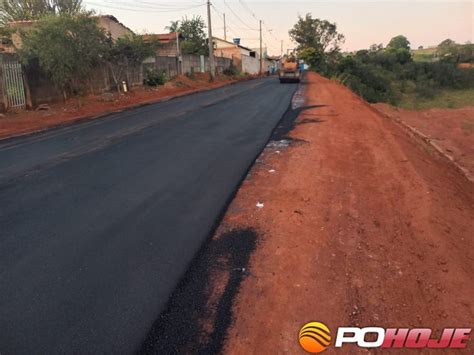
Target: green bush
[(426, 89), (231, 71), (386, 75), (155, 78)]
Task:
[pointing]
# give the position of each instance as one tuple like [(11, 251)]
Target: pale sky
[(363, 23)]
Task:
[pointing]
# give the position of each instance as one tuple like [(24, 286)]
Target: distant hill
[(425, 54)]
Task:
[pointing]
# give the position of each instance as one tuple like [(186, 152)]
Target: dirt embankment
[(92, 106), (359, 225), (450, 130)]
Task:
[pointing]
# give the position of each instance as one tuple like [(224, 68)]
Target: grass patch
[(444, 99), (424, 55)]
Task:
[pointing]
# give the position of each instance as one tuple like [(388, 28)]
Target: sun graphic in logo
[(315, 337)]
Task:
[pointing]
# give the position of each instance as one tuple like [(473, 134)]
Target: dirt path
[(362, 225)]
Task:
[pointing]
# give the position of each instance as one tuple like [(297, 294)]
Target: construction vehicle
[(290, 71)]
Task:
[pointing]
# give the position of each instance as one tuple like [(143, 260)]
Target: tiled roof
[(162, 37)]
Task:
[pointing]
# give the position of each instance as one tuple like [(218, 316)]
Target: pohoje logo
[(315, 337)]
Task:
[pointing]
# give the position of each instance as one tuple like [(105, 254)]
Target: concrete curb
[(124, 109)]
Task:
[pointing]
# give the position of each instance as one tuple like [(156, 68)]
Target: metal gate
[(13, 87)]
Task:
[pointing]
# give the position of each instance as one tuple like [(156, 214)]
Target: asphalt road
[(99, 220)]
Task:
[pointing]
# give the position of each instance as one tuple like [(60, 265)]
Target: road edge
[(420, 136)]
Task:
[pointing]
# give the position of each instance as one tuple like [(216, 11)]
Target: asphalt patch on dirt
[(180, 328), (288, 123)]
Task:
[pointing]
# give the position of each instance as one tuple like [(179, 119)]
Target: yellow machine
[(290, 71)]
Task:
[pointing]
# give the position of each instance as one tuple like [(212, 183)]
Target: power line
[(249, 10), (237, 16), (221, 15), (155, 4), (142, 8)]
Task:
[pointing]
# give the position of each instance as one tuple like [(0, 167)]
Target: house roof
[(162, 37), (232, 44), (32, 22), (274, 57), (114, 19)]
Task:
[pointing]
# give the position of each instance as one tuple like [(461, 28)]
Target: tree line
[(381, 74)]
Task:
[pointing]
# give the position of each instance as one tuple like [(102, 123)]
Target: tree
[(70, 7), (194, 35), (67, 49), (466, 53), (173, 27), (374, 48), (450, 51), (311, 56), (321, 35), (399, 46), (318, 41), (127, 52), (399, 42), (21, 10), (447, 48)]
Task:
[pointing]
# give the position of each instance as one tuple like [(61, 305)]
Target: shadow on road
[(288, 122)]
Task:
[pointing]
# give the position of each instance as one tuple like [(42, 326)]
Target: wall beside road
[(39, 89), (251, 65), (189, 64)]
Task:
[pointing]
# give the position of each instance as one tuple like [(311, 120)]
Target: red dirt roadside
[(94, 105), (362, 225), (452, 130)]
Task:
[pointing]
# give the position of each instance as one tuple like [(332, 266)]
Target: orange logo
[(315, 337)]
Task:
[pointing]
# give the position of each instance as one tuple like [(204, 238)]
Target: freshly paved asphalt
[(99, 220)]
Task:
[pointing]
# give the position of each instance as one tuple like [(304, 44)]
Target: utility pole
[(225, 30), (261, 50), (180, 69), (281, 53), (211, 42)]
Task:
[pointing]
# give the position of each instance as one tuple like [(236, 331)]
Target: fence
[(40, 89), (13, 89)]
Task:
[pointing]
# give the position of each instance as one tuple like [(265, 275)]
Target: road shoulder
[(358, 225)]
